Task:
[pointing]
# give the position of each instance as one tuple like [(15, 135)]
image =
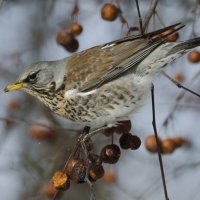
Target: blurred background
[(34, 143)]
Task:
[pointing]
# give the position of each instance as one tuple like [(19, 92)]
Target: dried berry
[(60, 181), (95, 172), (72, 45), (76, 170), (124, 141), (110, 176), (41, 133), (76, 29), (110, 154), (64, 37), (194, 56), (109, 12), (123, 127), (167, 146), (109, 131), (151, 144), (135, 142)]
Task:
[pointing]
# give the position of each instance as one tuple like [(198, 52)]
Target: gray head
[(40, 77)]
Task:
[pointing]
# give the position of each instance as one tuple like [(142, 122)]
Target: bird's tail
[(187, 45)]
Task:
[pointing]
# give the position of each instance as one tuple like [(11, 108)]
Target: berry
[(173, 37), (109, 176), (95, 172), (76, 29), (41, 133), (64, 37), (109, 12), (110, 154), (167, 146), (61, 181), (123, 127), (179, 77), (72, 45), (194, 56), (135, 142), (124, 141), (179, 141), (150, 143), (76, 170)]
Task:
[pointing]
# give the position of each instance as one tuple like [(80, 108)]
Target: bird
[(101, 85)]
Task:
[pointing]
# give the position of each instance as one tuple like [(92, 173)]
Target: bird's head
[(40, 78)]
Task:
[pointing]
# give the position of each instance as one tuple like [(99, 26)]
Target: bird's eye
[(32, 76)]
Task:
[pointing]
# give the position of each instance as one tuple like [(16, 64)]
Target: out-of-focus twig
[(178, 99), (149, 14)]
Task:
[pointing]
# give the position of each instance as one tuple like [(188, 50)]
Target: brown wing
[(94, 67)]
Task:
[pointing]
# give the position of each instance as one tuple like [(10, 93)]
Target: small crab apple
[(110, 154), (109, 12), (150, 143), (76, 170), (194, 56), (95, 172), (76, 29), (167, 146), (61, 181)]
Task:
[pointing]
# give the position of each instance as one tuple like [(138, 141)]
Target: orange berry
[(40, 132), (60, 181), (150, 143), (109, 12), (179, 77), (76, 29), (64, 37), (194, 56), (110, 176), (173, 37), (167, 146)]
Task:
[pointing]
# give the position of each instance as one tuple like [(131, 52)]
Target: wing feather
[(94, 67)]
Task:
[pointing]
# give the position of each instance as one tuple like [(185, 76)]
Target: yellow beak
[(14, 86)]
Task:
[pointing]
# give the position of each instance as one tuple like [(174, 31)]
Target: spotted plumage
[(105, 83)]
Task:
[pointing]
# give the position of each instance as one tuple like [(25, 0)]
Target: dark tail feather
[(189, 44)]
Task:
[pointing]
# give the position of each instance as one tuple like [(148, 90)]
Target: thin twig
[(140, 18), (158, 144), (149, 14), (180, 85), (178, 99)]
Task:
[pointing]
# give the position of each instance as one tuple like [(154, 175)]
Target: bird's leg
[(180, 85), (158, 144)]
